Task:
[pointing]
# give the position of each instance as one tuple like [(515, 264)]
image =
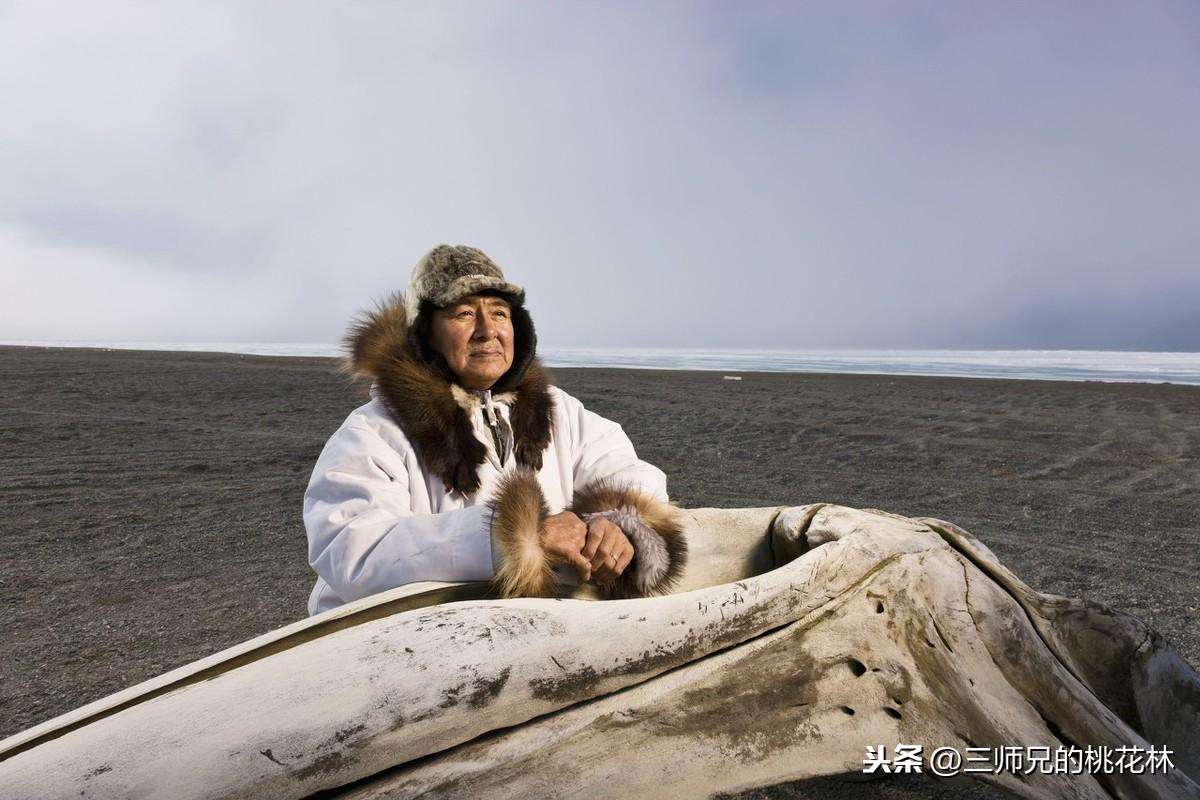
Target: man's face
[(475, 336)]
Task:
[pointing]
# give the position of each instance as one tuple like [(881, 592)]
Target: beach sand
[(152, 500)]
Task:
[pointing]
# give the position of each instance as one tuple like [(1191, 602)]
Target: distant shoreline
[(1076, 366)]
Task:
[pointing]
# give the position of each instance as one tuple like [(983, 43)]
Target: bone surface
[(798, 637)]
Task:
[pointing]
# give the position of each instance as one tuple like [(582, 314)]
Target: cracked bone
[(799, 637)]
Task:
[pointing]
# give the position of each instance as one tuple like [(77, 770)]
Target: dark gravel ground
[(153, 499)]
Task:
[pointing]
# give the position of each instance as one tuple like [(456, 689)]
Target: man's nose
[(485, 327)]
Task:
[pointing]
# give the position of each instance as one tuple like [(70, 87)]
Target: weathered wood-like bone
[(876, 630)]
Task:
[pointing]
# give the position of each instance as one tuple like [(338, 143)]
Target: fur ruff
[(654, 529), (423, 402), (517, 511)]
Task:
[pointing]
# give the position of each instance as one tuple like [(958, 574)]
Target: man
[(468, 465)]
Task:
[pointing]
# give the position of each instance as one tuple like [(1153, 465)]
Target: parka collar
[(429, 408)]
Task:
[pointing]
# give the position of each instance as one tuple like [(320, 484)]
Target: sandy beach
[(153, 499)]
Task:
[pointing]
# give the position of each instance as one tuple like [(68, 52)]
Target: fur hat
[(448, 273)]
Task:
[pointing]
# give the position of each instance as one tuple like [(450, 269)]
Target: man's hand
[(607, 550), (597, 549), (563, 537)]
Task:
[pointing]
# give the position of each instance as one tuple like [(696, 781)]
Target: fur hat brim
[(468, 285)]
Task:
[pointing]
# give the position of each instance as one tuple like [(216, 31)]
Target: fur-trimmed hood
[(417, 388)]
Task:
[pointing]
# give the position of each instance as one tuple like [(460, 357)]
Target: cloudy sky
[(775, 175)]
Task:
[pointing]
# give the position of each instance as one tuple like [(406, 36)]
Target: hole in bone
[(856, 666), (891, 712), (931, 644), (896, 700), (848, 710), (878, 607)]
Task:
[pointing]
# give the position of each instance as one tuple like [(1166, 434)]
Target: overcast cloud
[(778, 175)]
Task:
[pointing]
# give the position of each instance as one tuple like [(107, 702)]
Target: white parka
[(377, 518)]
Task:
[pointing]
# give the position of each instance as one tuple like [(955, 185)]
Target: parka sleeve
[(363, 536), (611, 481)]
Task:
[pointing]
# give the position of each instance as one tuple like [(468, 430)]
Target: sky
[(704, 175)]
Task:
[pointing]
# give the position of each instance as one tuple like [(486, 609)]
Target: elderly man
[(468, 465)]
